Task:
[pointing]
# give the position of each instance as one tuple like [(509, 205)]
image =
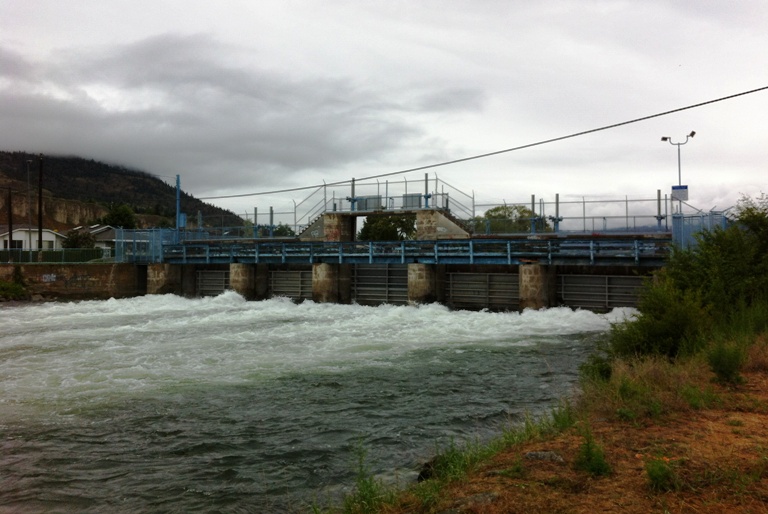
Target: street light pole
[(679, 168)]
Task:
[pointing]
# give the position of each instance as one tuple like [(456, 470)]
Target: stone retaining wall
[(79, 281)]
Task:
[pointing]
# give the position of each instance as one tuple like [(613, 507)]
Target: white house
[(26, 238)]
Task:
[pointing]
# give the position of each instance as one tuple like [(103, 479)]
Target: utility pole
[(40, 206), (10, 227)]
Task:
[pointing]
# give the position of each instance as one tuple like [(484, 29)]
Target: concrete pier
[(164, 279), (422, 283), (538, 286), (242, 278), (331, 283)]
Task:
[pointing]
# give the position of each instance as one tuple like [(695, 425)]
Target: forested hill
[(89, 181)]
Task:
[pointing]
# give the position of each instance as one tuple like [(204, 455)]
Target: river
[(169, 404)]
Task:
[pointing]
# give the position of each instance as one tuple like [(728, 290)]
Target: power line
[(497, 152)]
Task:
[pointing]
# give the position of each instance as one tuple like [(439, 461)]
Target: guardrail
[(640, 251)]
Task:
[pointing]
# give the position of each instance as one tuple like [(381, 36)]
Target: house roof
[(98, 231), (23, 227)]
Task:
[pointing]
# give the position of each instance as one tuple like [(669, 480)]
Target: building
[(26, 238), (103, 235)]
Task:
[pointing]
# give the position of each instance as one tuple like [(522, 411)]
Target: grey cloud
[(203, 110)]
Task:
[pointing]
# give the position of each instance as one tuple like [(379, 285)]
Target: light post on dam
[(680, 193)]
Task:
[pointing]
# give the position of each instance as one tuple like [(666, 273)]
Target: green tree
[(728, 267), (720, 282), (282, 230), (279, 230), (79, 239), (393, 227), (508, 219), (120, 216)]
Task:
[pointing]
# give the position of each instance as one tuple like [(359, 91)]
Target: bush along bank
[(670, 415), (15, 289)]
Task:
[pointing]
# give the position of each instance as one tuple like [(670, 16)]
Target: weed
[(726, 361), (516, 471), (662, 475), (563, 416), (625, 414), (369, 493), (698, 398), (591, 457), (428, 492), (596, 367)]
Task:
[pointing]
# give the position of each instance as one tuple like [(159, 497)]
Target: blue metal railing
[(646, 251)]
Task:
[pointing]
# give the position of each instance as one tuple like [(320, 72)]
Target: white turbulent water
[(112, 391)]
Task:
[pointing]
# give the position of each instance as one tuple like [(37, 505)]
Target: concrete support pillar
[(242, 279), (422, 287), (164, 279), (538, 286), (338, 227), (325, 283)]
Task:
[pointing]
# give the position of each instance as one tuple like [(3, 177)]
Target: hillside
[(78, 191)]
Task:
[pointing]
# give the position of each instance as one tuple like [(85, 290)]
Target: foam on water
[(92, 348), (134, 393)]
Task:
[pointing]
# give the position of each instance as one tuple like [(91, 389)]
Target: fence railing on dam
[(639, 251)]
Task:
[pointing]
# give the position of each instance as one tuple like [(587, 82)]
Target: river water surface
[(167, 404)]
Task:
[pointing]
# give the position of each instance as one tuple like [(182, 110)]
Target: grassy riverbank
[(657, 436), (670, 415)]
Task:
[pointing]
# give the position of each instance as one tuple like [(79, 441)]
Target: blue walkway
[(597, 251)]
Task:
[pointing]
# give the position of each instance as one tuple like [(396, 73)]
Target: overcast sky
[(250, 96)]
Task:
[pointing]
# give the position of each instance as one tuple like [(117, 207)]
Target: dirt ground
[(718, 460)]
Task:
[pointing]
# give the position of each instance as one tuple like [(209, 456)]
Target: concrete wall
[(80, 281), (433, 225), (338, 227)]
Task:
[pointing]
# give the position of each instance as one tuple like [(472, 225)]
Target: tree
[(120, 216), (282, 230), (394, 227), (509, 219), (79, 239), (279, 230)]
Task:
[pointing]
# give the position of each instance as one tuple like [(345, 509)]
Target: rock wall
[(58, 214), (79, 281)]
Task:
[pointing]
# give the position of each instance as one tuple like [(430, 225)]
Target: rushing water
[(162, 403)]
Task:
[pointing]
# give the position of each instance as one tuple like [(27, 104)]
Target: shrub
[(726, 361), (597, 367), (12, 291), (672, 323), (591, 457), (662, 475)]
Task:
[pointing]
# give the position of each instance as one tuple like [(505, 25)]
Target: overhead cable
[(497, 152)]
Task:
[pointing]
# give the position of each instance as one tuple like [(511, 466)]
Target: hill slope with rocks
[(78, 191)]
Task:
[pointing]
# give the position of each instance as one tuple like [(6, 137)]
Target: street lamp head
[(693, 133), (665, 138)]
